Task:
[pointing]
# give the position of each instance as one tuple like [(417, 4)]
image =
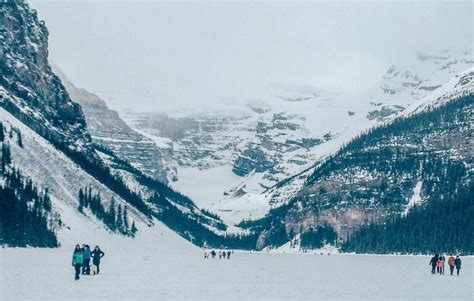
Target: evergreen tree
[(316, 237), (6, 155), (119, 220), (112, 216), (19, 138), (2, 133), (134, 229), (125, 219), (81, 201), (88, 199)]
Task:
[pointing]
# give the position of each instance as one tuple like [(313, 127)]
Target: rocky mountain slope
[(245, 152), (422, 158), (28, 88), (108, 129), (49, 144)]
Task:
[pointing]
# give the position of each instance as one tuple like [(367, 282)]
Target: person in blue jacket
[(77, 259), (86, 269), (97, 254), (457, 263)]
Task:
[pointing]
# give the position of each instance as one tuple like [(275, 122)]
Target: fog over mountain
[(161, 55)]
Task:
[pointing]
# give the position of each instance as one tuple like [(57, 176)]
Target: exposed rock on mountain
[(108, 129), (27, 80), (424, 156)]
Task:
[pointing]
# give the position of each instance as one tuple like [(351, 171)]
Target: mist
[(153, 56)]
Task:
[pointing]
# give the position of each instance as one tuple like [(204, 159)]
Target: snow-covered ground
[(205, 186), (200, 185), (163, 271)]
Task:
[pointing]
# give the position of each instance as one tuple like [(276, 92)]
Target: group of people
[(81, 258), (437, 264), (221, 254)]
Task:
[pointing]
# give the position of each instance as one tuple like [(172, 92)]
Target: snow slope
[(415, 200), (50, 169)]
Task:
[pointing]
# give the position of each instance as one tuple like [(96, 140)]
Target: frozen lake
[(168, 275)]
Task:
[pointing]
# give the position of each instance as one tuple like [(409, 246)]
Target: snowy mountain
[(47, 150), (234, 159), (397, 176), (275, 162)]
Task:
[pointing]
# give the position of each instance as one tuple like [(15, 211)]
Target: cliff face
[(107, 128), (28, 87)]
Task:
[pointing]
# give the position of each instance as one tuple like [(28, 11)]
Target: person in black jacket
[(457, 263), (96, 255), (433, 261)]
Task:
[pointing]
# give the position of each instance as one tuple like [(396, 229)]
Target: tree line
[(443, 225), (115, 217), (26, 217)]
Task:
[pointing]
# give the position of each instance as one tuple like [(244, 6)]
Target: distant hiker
[(433, 262), (451, 264), (457, 263), (228, 254), (220, 254), (86, 256), (97, 254), (77, 261), (213, 254), (205, 255), (438, 265), (442, 260)]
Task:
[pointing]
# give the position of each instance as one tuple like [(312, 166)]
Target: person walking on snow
[(86, 269), (213, 254), (438, 265), (77, 261), (97, 254), (433, 262), (451, 264), (457, 263), (442, 260)]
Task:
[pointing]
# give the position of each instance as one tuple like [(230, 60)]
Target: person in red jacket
[(442, 260), (451, 264), (438, 265)]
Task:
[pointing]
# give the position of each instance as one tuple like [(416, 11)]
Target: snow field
[(168, 272)]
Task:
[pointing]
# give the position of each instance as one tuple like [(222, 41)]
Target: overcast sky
[(160, 55)]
